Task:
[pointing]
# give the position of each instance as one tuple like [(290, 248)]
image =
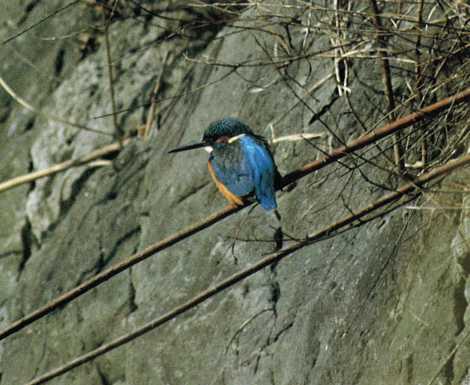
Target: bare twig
[(419, 75), (340, 63), (244, 325), (379, 133), (59, 167), (175, 96), (48, 116), (153, 104), (335, 155), (297, 137), (56, 12), (107, 22), (387, 79), (309, 92)]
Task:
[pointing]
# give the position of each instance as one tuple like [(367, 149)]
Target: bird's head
[(225, 130), (219, 133)]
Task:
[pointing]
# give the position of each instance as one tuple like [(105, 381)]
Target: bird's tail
[(268, 202)]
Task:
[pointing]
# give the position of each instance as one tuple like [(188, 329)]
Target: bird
[(240, 162)]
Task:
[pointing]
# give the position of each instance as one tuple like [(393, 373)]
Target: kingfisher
[(240, 162)]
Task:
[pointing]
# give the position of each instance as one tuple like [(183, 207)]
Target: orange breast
[(231, 197)]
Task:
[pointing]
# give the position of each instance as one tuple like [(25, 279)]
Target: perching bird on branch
[(240, 162)]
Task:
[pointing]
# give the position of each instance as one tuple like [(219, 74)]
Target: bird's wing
[(232, 169), (263, 170)]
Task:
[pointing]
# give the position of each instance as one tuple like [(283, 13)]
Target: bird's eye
[(222, 140)]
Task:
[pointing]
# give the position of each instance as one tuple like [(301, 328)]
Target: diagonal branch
[(335, 155), (59, 167), (56, 12), (269, 260)]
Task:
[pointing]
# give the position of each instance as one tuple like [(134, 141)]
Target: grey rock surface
[(386, 302)]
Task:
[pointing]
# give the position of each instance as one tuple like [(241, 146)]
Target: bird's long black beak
[(189, 147)]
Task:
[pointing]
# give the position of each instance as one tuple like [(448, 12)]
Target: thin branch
[(55, 13), (59, 167), (387, 79), (54, 118), (335, 155), (172, 97), (419, 75), (298, 137), (269, 260), (380, 133), (107, 22), (153, 105)]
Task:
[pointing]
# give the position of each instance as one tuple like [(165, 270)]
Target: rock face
[(386, 302)]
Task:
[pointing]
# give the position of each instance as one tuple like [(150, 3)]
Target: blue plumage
[(264, 171), (247, 166)]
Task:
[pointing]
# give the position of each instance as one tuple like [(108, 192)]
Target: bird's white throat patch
[(209, 149)]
